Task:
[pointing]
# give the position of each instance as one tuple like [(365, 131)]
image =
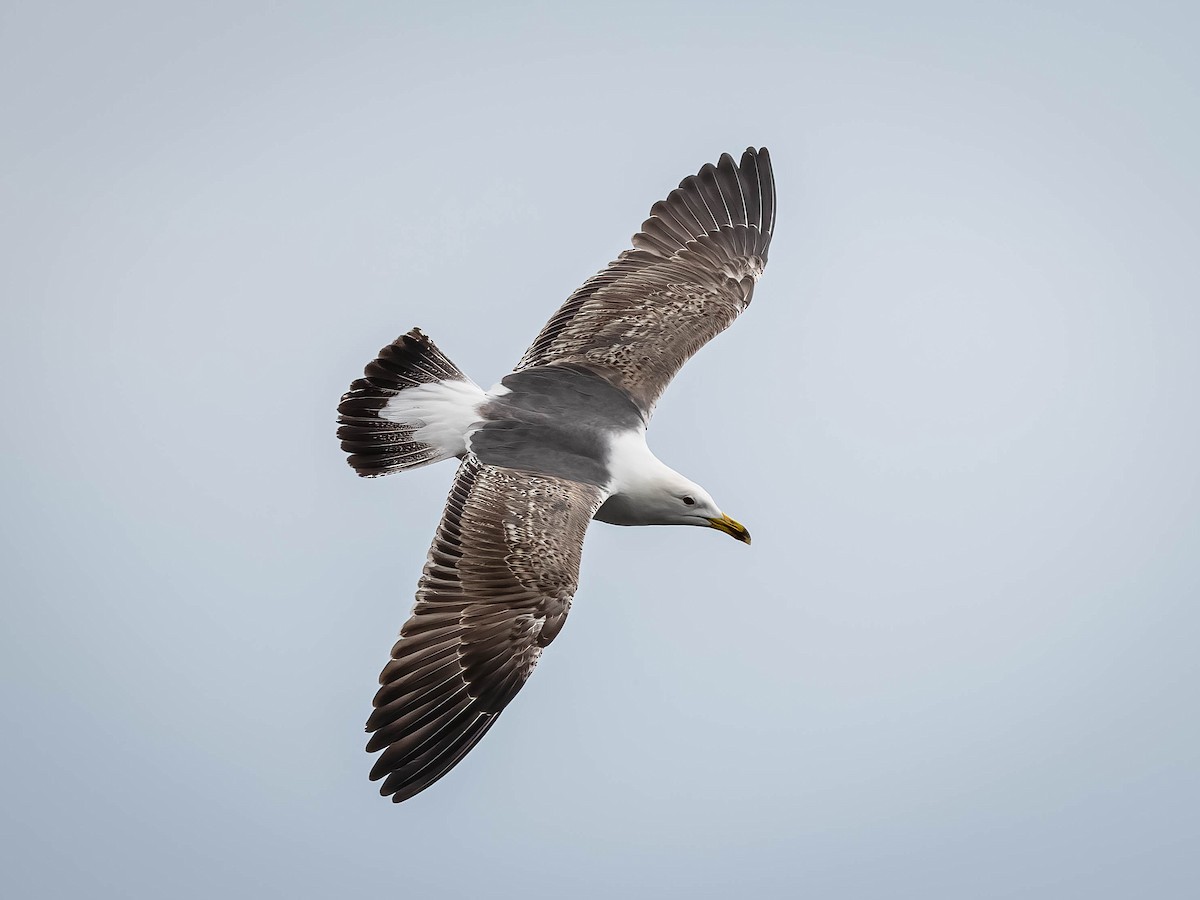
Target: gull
[(558, 442)]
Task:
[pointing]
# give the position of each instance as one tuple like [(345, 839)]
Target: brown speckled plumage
[(690, 274), (495, 591)]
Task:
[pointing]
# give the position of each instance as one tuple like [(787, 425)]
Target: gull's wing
[(690, 274), (495, 591)]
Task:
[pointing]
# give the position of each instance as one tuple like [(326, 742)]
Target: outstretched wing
[(495, 591), (690, 274)]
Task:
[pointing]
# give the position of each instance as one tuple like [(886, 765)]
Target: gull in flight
[(558, 442)]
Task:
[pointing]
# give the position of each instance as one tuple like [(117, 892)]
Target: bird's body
[(556, 443)]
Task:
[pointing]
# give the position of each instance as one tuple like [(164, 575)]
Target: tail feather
[(382, 435)]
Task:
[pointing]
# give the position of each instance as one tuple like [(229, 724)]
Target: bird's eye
[(689, 501)]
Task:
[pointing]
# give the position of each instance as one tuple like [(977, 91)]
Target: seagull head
[(645, 491), (677, 501)]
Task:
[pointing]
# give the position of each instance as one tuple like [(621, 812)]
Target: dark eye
[(689, 501)]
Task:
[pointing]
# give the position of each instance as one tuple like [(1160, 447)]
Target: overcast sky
[(960, 419)]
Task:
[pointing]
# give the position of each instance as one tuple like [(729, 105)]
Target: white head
[(650, 493), (677, 501)]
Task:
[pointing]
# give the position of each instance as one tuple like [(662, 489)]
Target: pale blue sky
[(960, 419)]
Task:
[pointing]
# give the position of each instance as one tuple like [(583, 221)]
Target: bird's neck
[(637, 478)]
